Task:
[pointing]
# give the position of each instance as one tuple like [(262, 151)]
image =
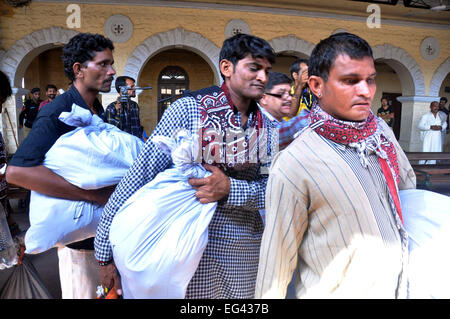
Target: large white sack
[(426, 218), (92, 156), (159, 234)]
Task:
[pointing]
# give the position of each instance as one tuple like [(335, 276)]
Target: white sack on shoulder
[(159, 234), (426, 218), (92, 156)]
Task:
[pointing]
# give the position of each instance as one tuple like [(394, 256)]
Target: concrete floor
[(46, 263)]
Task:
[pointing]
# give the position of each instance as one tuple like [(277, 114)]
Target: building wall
[(200, 75), (149, 20), (18, 23)]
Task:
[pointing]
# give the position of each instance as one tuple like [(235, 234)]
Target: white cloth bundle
[(159, 234), (92, 156), (426, 217)]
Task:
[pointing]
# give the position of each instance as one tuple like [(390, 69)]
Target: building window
[(172, 82)]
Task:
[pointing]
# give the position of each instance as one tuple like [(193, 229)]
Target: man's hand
[(436, 127), (212, 188), (303, 78), (102, 195), (110, 278)]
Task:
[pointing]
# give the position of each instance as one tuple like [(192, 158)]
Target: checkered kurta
[(229, 264)]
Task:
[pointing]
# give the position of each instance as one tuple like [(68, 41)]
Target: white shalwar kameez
[(432, 140)]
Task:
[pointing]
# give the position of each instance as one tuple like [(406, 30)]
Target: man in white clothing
[(431, 126)]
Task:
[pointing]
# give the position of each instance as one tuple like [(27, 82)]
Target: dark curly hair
[(239, 46), (5, 86), (81, 48)]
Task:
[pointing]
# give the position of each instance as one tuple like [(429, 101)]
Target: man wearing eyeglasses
[(277, 100)]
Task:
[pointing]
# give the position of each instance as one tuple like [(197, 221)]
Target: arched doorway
[(46, 68), (168, 73), (388, 86), (172, 82), (15, 63)]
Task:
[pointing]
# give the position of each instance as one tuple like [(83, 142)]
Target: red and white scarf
[(365, 137)]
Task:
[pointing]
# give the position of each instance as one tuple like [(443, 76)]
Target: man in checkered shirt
[(229, 264)]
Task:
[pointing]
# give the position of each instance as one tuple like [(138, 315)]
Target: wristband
[(104, 263)]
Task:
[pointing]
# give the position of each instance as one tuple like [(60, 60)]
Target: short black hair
[(122, 81), (5, 86), (240, 45), (50, 86), (326, 51), (295, 66), (276, 78), (34, 90), (443, 99), (384, 98), (81, 48)]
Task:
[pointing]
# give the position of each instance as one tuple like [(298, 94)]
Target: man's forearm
[(44, 181)]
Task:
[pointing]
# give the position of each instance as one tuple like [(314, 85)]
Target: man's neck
[(87, 95), (240, 102)]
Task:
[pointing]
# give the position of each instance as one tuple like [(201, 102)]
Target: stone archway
[(16, 60), (14, 63), (404, 65), (291, 44), (438, 78), (177, 38), (412, 89)]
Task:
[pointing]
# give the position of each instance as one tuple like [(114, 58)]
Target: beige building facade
[(174, 46)]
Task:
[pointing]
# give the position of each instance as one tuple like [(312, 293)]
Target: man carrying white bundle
[(229, 264), (88, 63)]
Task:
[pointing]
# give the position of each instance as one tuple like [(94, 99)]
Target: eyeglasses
[(280, 96)]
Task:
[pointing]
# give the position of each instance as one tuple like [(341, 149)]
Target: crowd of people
[(328, 211)]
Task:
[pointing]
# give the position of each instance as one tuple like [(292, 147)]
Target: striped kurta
[(332, 221)]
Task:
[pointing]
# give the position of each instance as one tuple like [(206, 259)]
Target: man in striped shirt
[(332, 208)]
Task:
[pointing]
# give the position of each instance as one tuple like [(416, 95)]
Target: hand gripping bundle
[(92, 156), (159, 234)]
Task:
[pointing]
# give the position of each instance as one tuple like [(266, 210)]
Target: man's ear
[(226, 68), (316, 85), (77, 70), (263, 100)]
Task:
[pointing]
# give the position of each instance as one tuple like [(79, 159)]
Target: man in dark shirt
[(124, 112), (88, 63), (386, 112), (29, 111)]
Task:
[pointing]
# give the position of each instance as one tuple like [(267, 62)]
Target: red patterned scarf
[(220, 123), (366, 137)]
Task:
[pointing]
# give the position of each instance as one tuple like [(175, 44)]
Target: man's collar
[(266, 113), (81, 102)]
